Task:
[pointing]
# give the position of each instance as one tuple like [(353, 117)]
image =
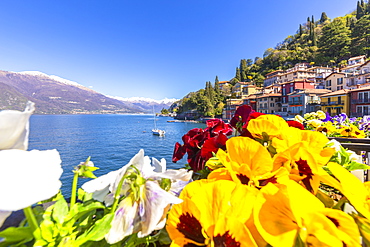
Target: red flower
[(295, 124), (216, 126), (199, 144), (241, 116)]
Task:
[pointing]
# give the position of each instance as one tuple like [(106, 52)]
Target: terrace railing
[(360, 146)]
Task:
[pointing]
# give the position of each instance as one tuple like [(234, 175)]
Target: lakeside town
[(307, 88)]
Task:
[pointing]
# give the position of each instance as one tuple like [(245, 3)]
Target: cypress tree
[(300, 30), (217, 86), (313, 21), (360, 10), (237, 74), (243, 70)]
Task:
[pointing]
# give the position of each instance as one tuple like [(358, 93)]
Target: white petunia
[(27, 177), (14, 128)]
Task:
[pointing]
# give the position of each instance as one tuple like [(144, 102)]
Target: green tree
[(335, 41), (360, 11), (323, 18), (237, 74), (243, 70), (361, 37)]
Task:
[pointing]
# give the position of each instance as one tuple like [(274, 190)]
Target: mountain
[(147, 104), (55, 95)]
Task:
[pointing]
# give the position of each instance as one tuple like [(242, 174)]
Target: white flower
[(145, 204), (14, 128), (27, 177), (314, 123), (141, 216), (299, 119)]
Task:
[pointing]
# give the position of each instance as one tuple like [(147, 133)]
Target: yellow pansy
[(351, 131), (321, 114), (214, 214), (351, 187), (279, 211), (272, 125), (286, 213), (330, 227), (327, 128), (248, 162)]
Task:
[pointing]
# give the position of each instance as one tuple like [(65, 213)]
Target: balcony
[(313, 101), (296, 102), (360, 101)]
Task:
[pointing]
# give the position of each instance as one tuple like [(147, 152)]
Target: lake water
[(110, 140)]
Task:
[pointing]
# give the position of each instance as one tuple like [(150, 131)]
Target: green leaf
[(48, 230), (299, 242), (356, 166), (60, 210), (15, 235), (97, 231), (165, 184), (324, 198)]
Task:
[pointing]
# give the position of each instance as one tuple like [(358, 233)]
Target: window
[(365, 110), (284, 93), (328, 83), (340, 81), (272, 104), (359, 109)]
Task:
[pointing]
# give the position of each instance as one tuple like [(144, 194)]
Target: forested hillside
[(322, 42)]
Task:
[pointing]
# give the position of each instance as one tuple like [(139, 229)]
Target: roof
[(339, 92), (297, 80), (342, 73), (361, 89), (354, 58), (269, 95), (310, 91)]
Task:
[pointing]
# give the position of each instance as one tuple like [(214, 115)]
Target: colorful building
[(336, 102)]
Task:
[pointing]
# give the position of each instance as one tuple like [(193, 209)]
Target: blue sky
[(150, 48)]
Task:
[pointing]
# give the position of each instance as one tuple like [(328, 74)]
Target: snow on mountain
[(142, 99), (53, 77)]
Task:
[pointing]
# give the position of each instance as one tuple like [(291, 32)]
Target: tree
[(323, 18), (360, 11), (361, 37), (335, 41), (237, 74), (243, 70)]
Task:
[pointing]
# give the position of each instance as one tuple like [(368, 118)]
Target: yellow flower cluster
[(268, 194), (315, 121)]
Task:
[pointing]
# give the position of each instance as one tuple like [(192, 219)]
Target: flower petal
[(27, 177), (14, 128)]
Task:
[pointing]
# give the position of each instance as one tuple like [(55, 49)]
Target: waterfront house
[(289, 87), (360, 102), (269, 103), (251, 100), (306, 100), (336, 102), (320, 74), (272, 77), (335, 81), (359, 77), (231, 106), (248, 90)]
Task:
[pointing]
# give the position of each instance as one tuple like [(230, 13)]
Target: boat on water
[(156, 131)]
